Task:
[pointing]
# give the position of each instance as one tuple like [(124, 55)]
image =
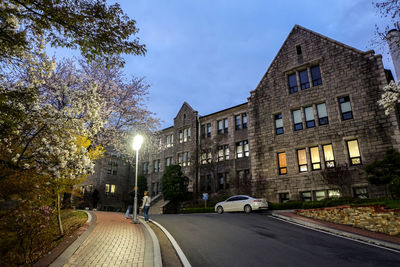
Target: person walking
[(131, 197), (146, 205)]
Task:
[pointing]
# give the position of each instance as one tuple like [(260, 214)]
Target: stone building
[(314, 114), (315, 109), (213, 150)]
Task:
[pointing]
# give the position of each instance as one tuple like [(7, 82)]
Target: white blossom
[(390, 97)]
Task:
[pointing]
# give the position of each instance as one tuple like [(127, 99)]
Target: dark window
[(238, 122), (225, 125), (292, 80), (304, 83), (278, 124), (298, 49), (297, 121), (306, 196), (316, 76), (282, 165), (309, 114), (203, 131), (360, 192), (322, 114), (208, 130), (244, 120), (220, 126), (283, 197), (345, 108)]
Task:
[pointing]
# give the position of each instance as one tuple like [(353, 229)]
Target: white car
[(241, 203)]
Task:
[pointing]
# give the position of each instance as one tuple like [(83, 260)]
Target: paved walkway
[(114, 241)]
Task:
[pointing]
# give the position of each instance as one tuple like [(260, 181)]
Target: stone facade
[(314, 110), (206, 148), (343, 104), (373, 218)]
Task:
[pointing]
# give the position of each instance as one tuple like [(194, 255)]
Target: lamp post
[(137, 143)]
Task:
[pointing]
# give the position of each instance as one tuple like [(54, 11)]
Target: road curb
[(156, 245), (181, 255), (338, 232), (66, 255)]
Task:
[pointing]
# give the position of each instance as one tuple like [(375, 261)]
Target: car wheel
[(247, 209), (220, 210)]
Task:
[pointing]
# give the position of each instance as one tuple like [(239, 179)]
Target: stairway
[(157, 204)]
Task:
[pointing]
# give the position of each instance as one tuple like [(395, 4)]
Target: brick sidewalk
[(114, 241)]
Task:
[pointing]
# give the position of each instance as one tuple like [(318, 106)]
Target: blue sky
[(212, 53)]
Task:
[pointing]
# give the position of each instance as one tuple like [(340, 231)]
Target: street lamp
[(137, 143)]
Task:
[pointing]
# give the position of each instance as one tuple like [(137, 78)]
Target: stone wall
[(374, 218)]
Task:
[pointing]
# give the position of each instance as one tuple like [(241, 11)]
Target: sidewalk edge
[(156, 244), (181, 255), (338, 232), (66, 255)]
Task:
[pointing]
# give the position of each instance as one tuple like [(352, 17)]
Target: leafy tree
[(98, 30), (386, 172), (339, 176), (174, 184)]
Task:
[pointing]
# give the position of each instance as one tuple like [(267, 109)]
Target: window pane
[(345, 107), (292, 80), (316, 75), (278, 121), (309, 113), (246, 148), (244, 120), (353, 149), (319, 195), (328, 152), (321, 108), (220, 126), (112, 188), (297, 116), (314, 155), (301, 154), (238, 122), (333, 193), (282, 160), (304, 79)]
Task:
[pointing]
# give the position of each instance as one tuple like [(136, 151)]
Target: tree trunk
[(59, 214)]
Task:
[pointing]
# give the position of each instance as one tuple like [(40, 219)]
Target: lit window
[(239, 149), (226, 151), (180, 136), (333, 193), (278, 124), (315, 159), (180, 158), (328, 155), (304, 83), (292, 81), (316, 75), (282, 163), (246, 148), (345, 108), (110, 188), (220, 153), (320, 195), (185, 135), (309, 112), (107, 188), (297, 121), (301, 156), (322, 114), (354, 152)]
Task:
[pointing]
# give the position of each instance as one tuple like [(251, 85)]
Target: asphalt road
[(237, 239)]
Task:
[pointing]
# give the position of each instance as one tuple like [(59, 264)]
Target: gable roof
[(308, 31)]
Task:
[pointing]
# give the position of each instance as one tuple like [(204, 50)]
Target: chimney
[(393, 39)]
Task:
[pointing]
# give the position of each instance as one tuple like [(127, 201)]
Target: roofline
[(200, 117)]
